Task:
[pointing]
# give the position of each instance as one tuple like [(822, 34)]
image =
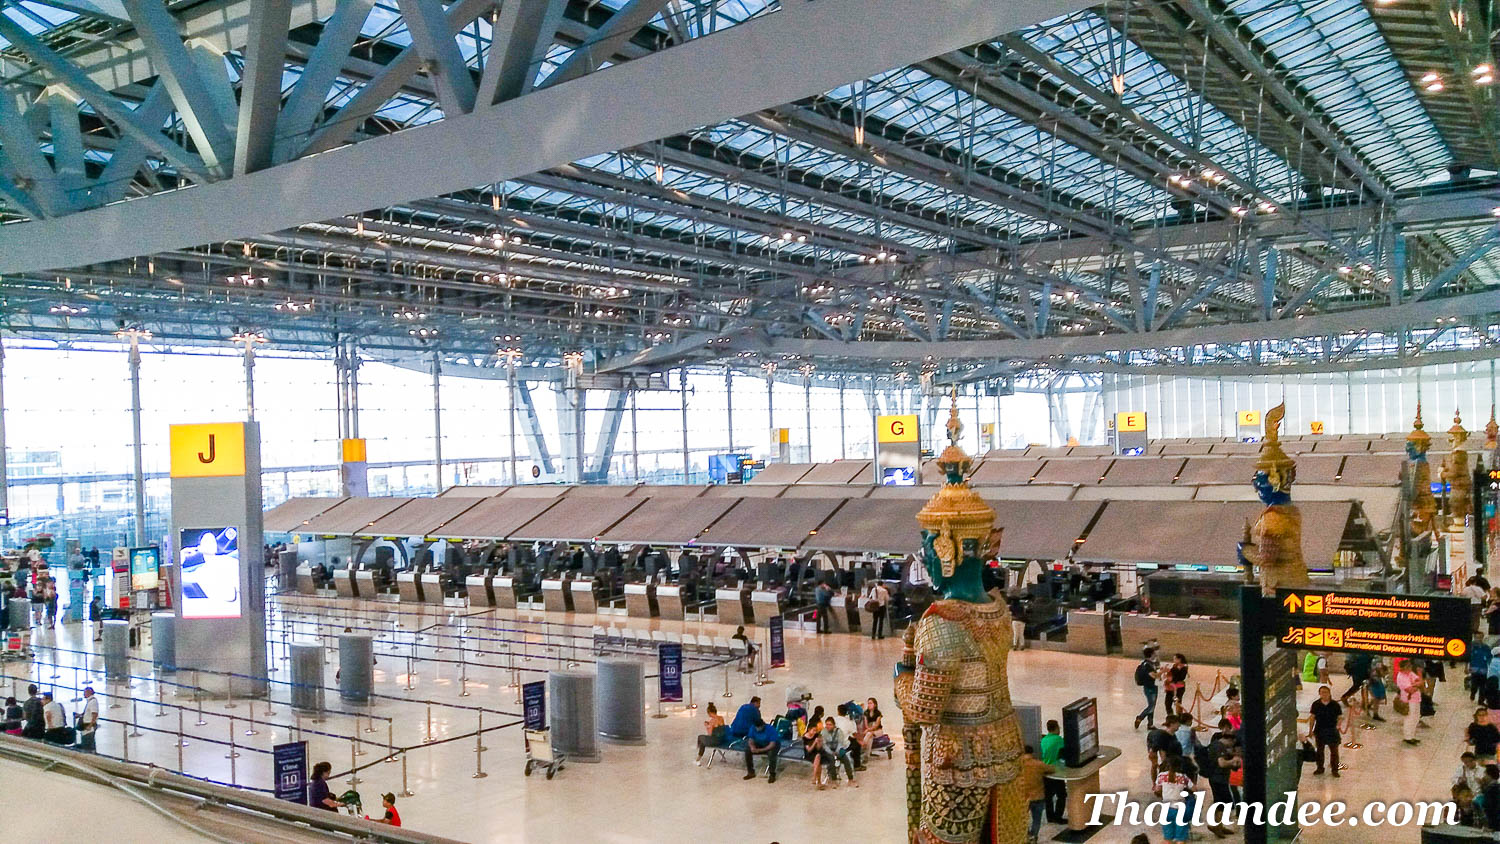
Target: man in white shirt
[(1469, 772), (1473, 591), (88, 720), (54, 718)]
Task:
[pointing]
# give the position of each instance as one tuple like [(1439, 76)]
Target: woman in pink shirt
[(1409, 685)]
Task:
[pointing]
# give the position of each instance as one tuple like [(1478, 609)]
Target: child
[(1377, 690)]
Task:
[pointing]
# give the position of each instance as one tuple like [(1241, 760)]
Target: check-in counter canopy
[(292, 515), (420, 516), (575, 520), (351, 516), (771, 522), (877, 526), (667, 521), (1203, 532), (493, 518), (782, 473)]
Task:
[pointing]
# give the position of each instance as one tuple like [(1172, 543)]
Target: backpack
[(1143, 673)]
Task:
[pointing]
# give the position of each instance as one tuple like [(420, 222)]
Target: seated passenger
[(750, 649), (835, 750), (762, 739), (715, 734), (747, 718)]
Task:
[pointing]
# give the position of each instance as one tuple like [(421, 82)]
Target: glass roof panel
[(1333, 49)]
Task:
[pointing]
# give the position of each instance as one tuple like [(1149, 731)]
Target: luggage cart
[(539, 753)]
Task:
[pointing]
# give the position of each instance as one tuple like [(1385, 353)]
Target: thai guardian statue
[(1276, 537), (1457, 473), (1423, 505), (1491, 432), (963, 752)]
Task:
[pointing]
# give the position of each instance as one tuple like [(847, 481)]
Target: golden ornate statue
[(963, 743), (1457, 474), (1423, 505), (1276, 537), (1491, 431)]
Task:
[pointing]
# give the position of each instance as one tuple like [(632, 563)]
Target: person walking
[(880, 599), (1409, 695), (1034, 787), (1055, 791), (87, 720), (1172, 787), (1326, 713), (96, 617), (1145, 677)]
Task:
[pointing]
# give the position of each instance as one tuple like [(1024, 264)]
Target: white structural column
[(4, 467), (803, 50), (843, 431), (510, 382), (729, 407), (437, 420), (687, 466), (134, 337), (807, 412), (635, 444)]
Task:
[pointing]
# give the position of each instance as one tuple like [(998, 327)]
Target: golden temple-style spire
[(1419, 438), (1457, 435), (1491, 431), (956, 514), (1271, 455)]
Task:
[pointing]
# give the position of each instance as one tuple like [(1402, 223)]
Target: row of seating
[(608, 638)]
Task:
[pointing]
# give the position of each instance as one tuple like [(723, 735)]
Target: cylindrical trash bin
[(307, 676), (116, 649), (164, 641), (620, 699), (572, 715), (20, 613), (356, 676)]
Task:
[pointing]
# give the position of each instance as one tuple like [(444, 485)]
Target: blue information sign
[(289, 766), (534, 704), (778, 643), (669, 671)]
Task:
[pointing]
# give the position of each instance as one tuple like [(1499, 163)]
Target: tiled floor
[(653, 792)]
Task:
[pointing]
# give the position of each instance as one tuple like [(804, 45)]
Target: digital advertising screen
[(145, 568), (210, 571), (898, 476), (1080, 732)]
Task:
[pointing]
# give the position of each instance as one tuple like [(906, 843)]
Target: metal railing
[(144, 782)]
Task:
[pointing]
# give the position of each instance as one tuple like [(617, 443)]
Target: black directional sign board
[(1422, 626)]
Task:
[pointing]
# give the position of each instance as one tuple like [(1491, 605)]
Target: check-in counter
[(1088, 633), (305, 582), (409, 586), (503, 590), (733, 606), (640, 600), (343, 583), (364, 584), (478, 586), (844, 615), (582, 592), (1209, 641), (765, 604), (555, 596), (432, 588), (669, 602)]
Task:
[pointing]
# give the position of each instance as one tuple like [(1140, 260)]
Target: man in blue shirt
[(746, 718), (759, 737)]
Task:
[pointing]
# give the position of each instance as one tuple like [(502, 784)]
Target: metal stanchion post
[(429, 725), (354, 737), (369, 718), (125, 745), (161, 706), (251, 731), (232, 754), (409, 685), (229, 686), (181, 739), (727, 692), (77, 689), (134, 730), (201, 721), (390, 744), (354, 779), (405, 791), (114, 698), (692, 701), (479, 773)]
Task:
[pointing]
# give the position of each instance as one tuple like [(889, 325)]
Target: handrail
[(250, 804)]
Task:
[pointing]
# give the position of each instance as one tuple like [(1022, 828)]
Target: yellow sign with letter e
[(213, 450)]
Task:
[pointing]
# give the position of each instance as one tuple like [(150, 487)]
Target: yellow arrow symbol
[(1292, 603)]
